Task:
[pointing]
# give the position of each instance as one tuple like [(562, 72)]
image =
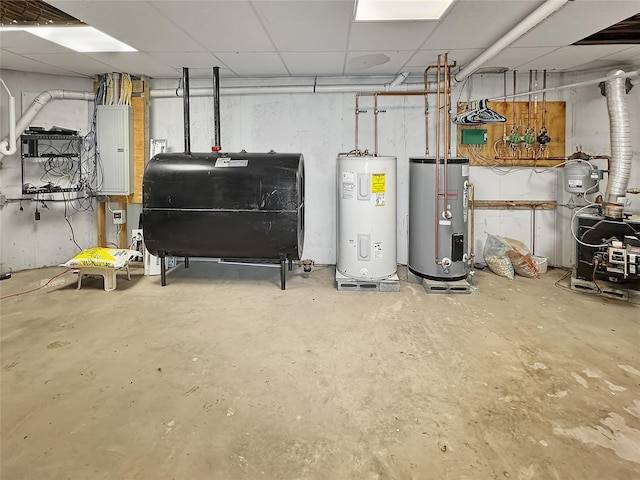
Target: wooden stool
[(107, 273)]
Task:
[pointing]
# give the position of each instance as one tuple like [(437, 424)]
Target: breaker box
[(115, 144)]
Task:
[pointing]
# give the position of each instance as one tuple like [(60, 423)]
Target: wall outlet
[(119, 217)]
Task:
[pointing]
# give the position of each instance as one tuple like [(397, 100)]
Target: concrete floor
[(220, 375)]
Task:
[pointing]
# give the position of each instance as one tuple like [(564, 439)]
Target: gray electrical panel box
[(115, 146)]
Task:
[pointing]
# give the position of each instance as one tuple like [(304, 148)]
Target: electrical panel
[(115, 146)]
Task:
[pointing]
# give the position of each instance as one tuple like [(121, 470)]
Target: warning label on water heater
[(378, 181), (348, 185)]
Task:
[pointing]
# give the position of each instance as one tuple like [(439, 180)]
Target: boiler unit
[(366, 216), (608, 241), (223, 205), (438, 228), (607, 249)]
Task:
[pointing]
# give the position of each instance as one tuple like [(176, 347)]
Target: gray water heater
[(449, 262)]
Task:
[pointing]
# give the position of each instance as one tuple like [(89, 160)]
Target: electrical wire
[(591, 205), (568, 288), (38, 288), (66, 217)]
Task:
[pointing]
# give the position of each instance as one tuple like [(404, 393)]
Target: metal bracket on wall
[(514, 204)]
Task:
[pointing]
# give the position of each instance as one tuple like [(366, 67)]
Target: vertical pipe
[(448, 109), (533, 230), (357, 114), (445, 118), (437, 179), (544, 99), (216, 109), (375, 124), (426, 106), (529, 105), (473, 224), (187, 116)]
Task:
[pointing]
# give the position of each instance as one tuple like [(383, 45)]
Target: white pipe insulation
[(347, 88), (45, 97), (620, 134), (12, 147), (37, 105), (544, 11)]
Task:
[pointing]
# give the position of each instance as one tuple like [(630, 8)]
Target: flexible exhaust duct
[(621, 154)]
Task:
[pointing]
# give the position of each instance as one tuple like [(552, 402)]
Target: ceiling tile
[(134, 63), (307, 25), (423, 58), (389, 35), (314, 63), (478, 24), (74, 62), (194, 60), (136, 23), (220, 26), (576, 20), (23, 42), (571, 58), (512, 58), (12, 61), (376, 63), (254, 64), (629, 53)]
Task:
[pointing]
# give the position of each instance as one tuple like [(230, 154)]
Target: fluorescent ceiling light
[(81, 39), (389, 10)]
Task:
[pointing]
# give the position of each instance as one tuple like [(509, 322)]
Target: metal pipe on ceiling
[(547, 9), (289, 89), (584, 83)]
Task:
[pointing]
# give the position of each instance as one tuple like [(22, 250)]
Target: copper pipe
[(426, 111), (437, 179), (447, 110), (357, 113), (426, 108), (445, 117), (544, 98), (375, 125), (529, 106)]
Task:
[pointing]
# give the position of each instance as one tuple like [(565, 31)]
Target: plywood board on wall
[(521, 115)]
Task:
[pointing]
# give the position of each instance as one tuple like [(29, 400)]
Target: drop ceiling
[(263, 38)]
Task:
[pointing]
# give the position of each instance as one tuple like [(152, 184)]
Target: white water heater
[(367, 201)]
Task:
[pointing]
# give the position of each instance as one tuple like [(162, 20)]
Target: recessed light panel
[(81, 39), (398, 10)]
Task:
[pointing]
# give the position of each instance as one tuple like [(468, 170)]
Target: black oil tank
[(224, 205)]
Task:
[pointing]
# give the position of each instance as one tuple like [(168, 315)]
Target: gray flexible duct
[(620, 132)]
